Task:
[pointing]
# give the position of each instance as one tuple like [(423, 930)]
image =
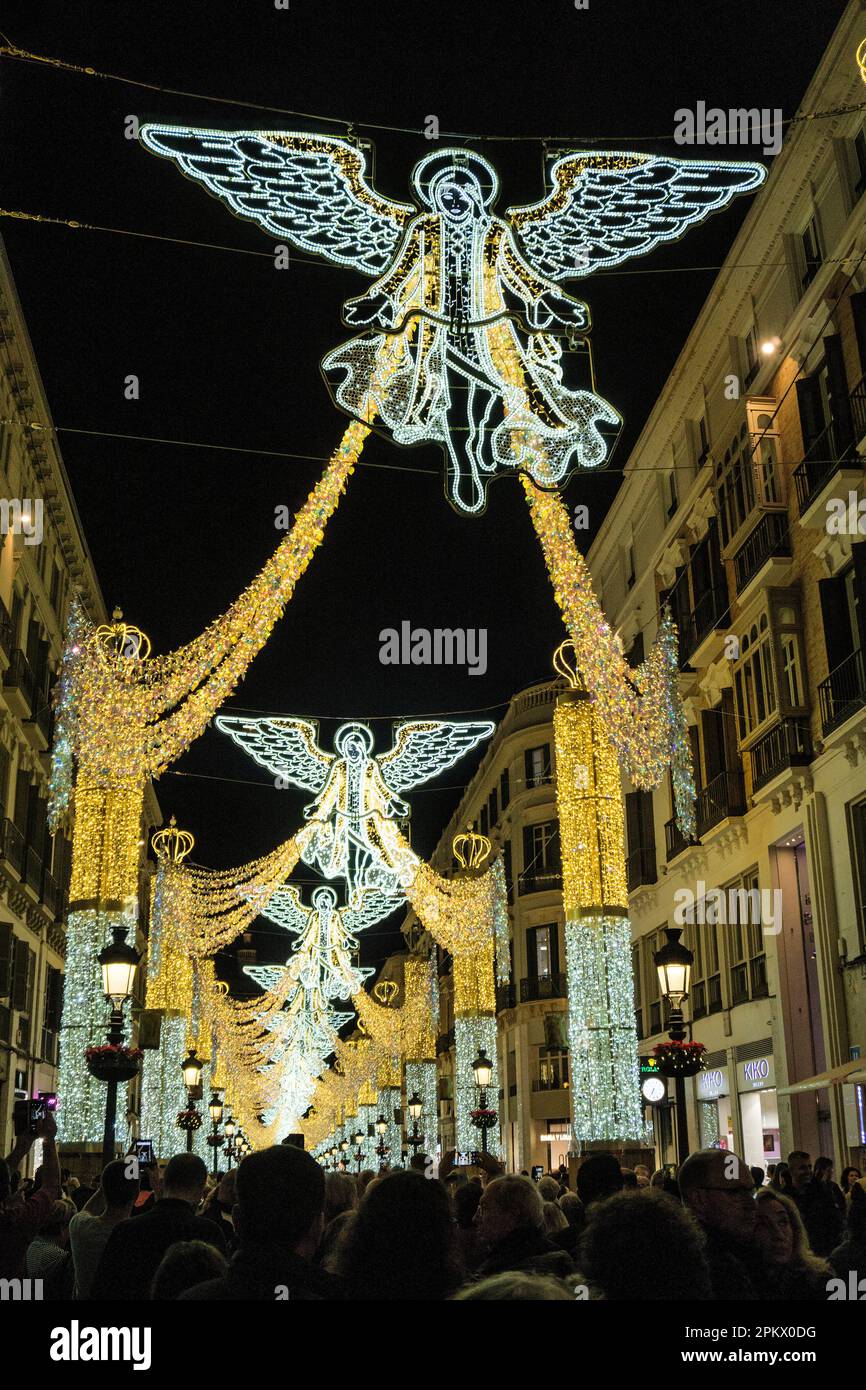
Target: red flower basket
[(680, 1058), (188, 1119), (483, 1119), (113, 1061)]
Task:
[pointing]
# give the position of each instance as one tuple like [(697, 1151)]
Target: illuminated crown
[(123, 639), (565, 664), (172, 845), (470, 849), (385, 991)]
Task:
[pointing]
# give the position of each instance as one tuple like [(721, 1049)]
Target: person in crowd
[(781, 1179), (824, 1174), (510, 1220), (332, 1235), (641, 1245), (849, 1176), (365, 1177), (629, 1180), (136, 1247), (718, 1190), (574, 1212), (401, 1244), (788, 1269), (420, 1162), (516, 1286), (598, 1177), (185, 1265), (555, 1220), (816, 1204), (148, 1193), (469, 1248), (279, 1220), (69, 1185), (548, 1187), (83, 1192), (850, 1253), (48, 1258), (562, 1175), (771, 1168), (90, 1228), (219, 1207), (642, 1173), (758, 1176), (341, 1194), (22, 1213)]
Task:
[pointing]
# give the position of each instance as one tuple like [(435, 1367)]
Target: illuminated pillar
[(605, 1095), (419, 983)]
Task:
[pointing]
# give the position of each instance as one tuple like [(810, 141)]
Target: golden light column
[(604, 1086), (474, 1005)]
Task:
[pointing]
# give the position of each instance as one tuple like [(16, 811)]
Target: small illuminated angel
[(307, 1027), (323, 954), (461, 325), (355, 792)]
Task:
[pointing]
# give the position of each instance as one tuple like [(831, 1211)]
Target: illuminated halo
[(463, 167)]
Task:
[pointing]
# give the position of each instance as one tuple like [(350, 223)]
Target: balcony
[(19, 686), (33, 869), (724, 796), (7, 640), (12, 848), (764, 555), (550, 1083), (543, 987), (540, 881), (641, 867), (710, 618), (787, 745), (675, 840), (843, 692), (53, 896), (504, 997), (828, 471)]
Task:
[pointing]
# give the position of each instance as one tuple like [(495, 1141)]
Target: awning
[(852, 1073)]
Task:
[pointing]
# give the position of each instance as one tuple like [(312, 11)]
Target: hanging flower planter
[(113, 1061), (483, 1119), (188, 1120), (680, 1058)]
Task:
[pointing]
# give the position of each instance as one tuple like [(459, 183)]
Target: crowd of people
[(280, 1227)]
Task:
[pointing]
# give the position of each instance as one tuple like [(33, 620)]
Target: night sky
[(227, 348)]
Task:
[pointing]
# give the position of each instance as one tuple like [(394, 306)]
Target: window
[(753, 361), (629, 566), (764, 444), (748, 962), (483, 825), (542, 952), (812, 252), (638, 993), (651, 944), (504, 789), (735, 485), (859, 144), (541, 857), (754, 685), (704, 441), (702, 939), (552, 1070), (492, 808), (673, 499), (857, 824), (537, 765), (636, 651), (23, 960)]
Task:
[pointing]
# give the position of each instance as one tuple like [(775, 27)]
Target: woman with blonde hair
[(788, 1267)]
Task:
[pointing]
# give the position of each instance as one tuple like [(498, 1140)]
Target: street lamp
[(215, 1110), (118, 962), (358, 1140), (414, 1105), (674, 963), (381, 1147), (229, 1130), (483, 1118), (191, 1067)]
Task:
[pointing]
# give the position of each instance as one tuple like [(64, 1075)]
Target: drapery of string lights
[(603, 1050)]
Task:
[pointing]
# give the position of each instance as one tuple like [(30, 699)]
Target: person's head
[(781, 1179), (757, 1175), (554, 1218), (118, 1190), (823, 1169), (642, 1171), (226, 1193), (509, 1204), (364, 1179), (718, 1188), (280, 1200), (800, 1167), (855, 1217), (771, 1168), (400, 1243), (341, 1194), (418, 1162), (849, 1176), (184, 1179), (184, 1265), (629, 1180), (549, 1189), (598, 1177), (780, 1235), (572, 1207), (72, 1185), (632, 1232), (516, 1285), (466, 1199), (55, 1227)]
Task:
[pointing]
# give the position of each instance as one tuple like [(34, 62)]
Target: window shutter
[(840, 400), (527, 847), (858, 313), (834, 611), (6, 939), (21, 975), (858, 555), (504, 789), (22, 799), (811, 415)]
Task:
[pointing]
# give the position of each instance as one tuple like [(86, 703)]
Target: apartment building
[(44, 560), (740, 507)]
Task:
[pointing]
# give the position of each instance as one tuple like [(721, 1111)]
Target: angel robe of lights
[(355, 792), (322, 955), (455, 349)]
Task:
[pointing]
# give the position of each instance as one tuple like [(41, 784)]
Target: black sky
[(227, 348)]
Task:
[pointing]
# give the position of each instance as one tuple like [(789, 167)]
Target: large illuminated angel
[(323, 954), (355, 792), (462, 323)]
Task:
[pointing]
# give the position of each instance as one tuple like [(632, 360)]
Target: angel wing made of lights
[(424, 747), (287, 748), (605, 208), (311, 190)]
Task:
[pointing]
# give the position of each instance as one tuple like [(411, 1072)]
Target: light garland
[(471, 1033)]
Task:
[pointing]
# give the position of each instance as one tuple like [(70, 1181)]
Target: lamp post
[(118, 962), (358, 1140), (192, 1067), (674, 965), (414, 1105), (215, 1110), (381, 1147), (482, 1068), (230, 1129)]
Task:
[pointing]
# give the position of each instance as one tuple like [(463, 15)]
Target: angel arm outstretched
[(545, 301)]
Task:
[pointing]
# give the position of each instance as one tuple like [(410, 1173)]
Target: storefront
[(715, 1109), (556, 1137), (759, 1111)]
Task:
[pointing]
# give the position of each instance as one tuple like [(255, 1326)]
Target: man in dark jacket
[(135, 1247), (278, 1220), (510, 1218), (718, 1189), (815, 1202)]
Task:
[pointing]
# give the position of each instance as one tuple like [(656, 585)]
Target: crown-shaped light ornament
[(122, 639), (385, 991), (470, 849), (565, 664), (171, 845)]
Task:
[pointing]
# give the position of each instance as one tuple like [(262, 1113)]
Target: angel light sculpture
[(355, 792), (323, 954)]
